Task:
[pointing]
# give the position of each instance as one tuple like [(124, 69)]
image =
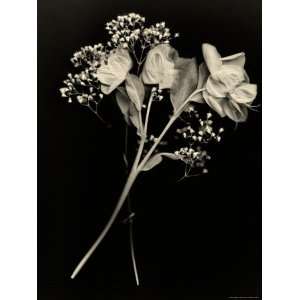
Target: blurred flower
[(114, 72), (228, 90), (159, 66)]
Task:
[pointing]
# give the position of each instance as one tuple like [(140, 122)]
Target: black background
[(197, 239)]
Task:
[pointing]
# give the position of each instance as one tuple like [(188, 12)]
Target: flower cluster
[(158, 34), (193, 157), (204, 133), (83, 87), (198, 133), (89, 56), (125, 30)]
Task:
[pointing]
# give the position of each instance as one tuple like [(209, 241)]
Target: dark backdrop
[(197, 239)]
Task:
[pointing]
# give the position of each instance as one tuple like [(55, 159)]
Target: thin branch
[(130, 214), (132, 252)]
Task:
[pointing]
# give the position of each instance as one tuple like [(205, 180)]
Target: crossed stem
[(137, 167)]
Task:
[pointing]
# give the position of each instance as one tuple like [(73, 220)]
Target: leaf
[(157, 159), (128, 109), (123, 102), (134, 117), (203, 74), (170, 155), (135, 90), (152, 162), (185, 81)]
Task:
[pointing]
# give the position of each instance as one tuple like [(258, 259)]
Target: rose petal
[(238, 59), (245, 93), (235, 111), (159, 66), (115, 71), (216, 104), (212, 58)]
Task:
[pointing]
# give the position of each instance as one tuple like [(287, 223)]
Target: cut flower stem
[(135, 170)]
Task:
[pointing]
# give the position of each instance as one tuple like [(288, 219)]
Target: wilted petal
[(202, 75), (216, 87), (159, 66), (115, 71), (238, 59), (245, 93), (247, 79), (212, 57), (236, 112), (214, 103), (225, 80)]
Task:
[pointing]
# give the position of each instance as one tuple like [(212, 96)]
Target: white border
[(281, 168), (281, 152), (18, 150)]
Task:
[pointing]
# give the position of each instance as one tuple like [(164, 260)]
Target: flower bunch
[(129, 29), (89, 56), (140, 69)]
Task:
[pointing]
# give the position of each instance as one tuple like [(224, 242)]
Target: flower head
[(159, 66), (114, 72), (227, 89)]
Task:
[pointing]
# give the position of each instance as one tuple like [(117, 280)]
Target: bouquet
[(139, 67)]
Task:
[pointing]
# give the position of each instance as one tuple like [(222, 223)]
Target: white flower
[(112, 74), (159, 66), (228, 90)]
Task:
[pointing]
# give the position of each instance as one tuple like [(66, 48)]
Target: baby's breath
[(89, 56), (125, 30), (197, 134), (83, 88)]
